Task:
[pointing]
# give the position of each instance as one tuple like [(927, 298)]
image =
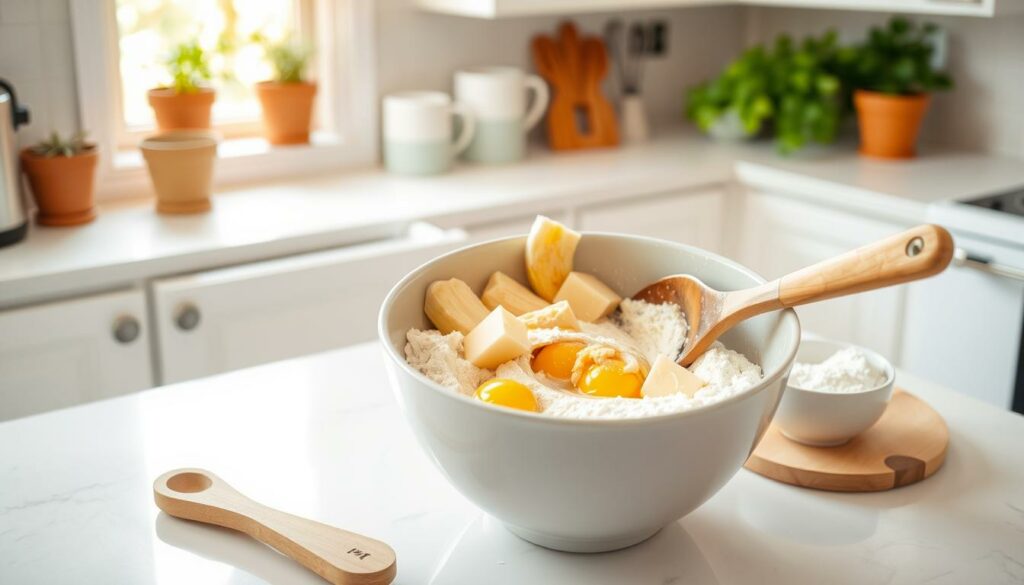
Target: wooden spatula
[(339, 556), (916, 253)]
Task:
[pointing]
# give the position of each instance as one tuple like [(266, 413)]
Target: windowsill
[(237, 148)]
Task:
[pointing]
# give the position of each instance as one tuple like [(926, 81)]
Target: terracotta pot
[(889, 124), (181, 111), (181, 167), (287, 111), (63, 186)]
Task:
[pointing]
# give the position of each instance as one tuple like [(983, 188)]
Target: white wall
[(984, 112), (35, 56), (420, 50)]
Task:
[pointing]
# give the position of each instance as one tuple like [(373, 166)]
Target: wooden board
[(905, 446)]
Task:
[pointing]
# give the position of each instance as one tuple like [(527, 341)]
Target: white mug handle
[(541, 95), (468, 126)]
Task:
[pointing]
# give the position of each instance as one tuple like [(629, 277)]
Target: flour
[(846, 371), (641, 328)]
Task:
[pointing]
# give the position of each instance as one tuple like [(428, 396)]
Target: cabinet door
[(221, 320), (69, 352), (693, 218), (781, 235)]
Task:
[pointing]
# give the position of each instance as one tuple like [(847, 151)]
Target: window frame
[(344, 30)]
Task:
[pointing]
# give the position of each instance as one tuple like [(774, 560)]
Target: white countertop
[(322, 437), (129, 242)]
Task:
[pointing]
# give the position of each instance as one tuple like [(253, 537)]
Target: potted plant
[(287, 99), (60, 172), (892, 74), (792, 91), (187, 102)]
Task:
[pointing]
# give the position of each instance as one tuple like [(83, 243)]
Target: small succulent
[(55, 145), (289, 58), (189, 66)]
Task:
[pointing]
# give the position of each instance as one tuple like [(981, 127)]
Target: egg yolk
[(507, 393), (608, 379), (556, 360)]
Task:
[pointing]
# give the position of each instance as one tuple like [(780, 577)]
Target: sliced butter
[(452, 306), (500, 337), (667, 378), (557, 315), (505, 291), (589, 298)]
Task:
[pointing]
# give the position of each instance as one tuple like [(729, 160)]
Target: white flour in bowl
[(846, 371), (649, 330)]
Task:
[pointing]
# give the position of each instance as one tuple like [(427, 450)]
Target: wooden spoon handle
[(339, 556), (916, 253)]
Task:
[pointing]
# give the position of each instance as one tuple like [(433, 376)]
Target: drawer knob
[(126, 329), (187, 317)]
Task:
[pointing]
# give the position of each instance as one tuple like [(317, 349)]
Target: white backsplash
[(417, 49), (35, 56)]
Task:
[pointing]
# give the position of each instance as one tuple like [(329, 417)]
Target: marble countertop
[(322, 437), (129, 242)]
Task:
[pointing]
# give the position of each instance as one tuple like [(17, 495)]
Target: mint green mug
[(418, 132), (498, 97)]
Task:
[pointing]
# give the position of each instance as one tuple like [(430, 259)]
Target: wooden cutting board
[(905, 446)]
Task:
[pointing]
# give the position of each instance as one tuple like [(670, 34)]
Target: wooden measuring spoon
[(916, 253), (339, 556)]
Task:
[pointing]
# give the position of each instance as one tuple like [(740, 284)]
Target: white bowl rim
[(541, 418), (890, 370)]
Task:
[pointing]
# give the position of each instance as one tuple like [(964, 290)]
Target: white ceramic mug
[(418, 130), (498, 97)]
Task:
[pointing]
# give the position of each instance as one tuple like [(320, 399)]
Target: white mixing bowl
[(587, 485)]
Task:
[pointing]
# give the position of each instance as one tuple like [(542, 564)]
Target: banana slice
[(549, 250)]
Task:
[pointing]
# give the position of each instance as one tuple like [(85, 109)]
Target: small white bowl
[(828, 419)]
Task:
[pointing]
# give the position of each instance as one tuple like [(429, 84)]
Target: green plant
[(56, 146), (897, 59), (743, 88), (795, 87), (807, 92), (189, 66), (288, 57)]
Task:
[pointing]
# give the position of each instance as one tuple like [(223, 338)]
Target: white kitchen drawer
[(781, 235), (65, 353), (221, 320), (693, 217)]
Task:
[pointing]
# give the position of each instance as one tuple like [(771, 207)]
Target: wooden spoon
[(339, 556), (916, 253)]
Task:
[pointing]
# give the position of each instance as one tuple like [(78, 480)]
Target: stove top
[(1012, 202)]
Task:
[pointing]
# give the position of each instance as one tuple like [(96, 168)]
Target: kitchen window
[(121, 48)]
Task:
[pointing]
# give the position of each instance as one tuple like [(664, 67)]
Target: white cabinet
[(231, 318), (781, 235), (69, 352), (693, 218)]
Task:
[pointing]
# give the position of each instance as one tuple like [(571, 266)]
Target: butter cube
[(503, 290), (557, 315), (589, 298), (500, 337), (667, 377)]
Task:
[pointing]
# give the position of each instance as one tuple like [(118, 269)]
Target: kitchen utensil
[(826, 419), (579, 116), (916, 253), (497, 97), (418, 128), (628, 57), (339, 556), (13, 217), (905, 446), (500, 458)]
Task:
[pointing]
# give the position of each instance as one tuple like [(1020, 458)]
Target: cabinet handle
[(965, 259), (126, 329), (187, 317)]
